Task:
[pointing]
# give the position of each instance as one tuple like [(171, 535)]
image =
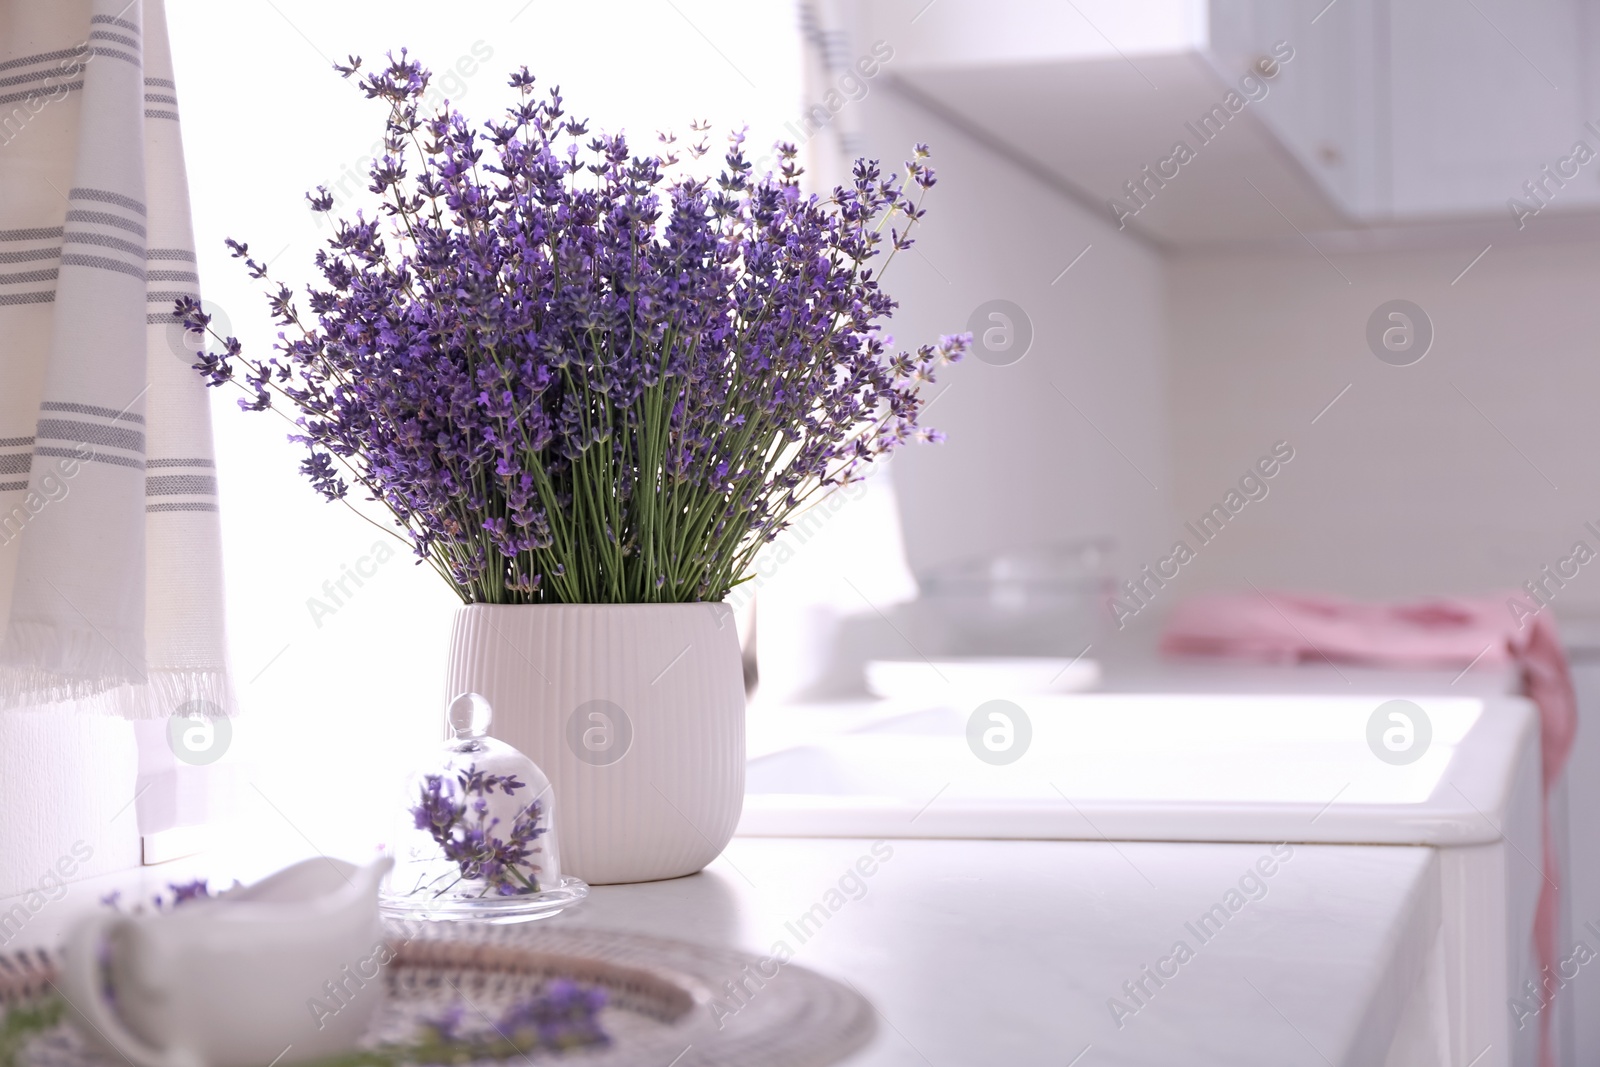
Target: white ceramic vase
[(634, 711)]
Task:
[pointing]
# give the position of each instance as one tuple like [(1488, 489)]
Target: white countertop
[(980, 952), (773, 725), (1185, 751), (988, 952), (1008, 952)]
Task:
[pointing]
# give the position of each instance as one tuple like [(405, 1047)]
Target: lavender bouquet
[(572, 378)]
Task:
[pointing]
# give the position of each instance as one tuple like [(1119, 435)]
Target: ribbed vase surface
[(636, 714)]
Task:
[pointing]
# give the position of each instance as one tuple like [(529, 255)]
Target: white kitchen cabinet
[(1427, 108), (1484, 95), (1369, 112), (979, 34), (1324, 110)]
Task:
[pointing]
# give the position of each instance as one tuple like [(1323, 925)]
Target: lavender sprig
[(465, 832), (180, 893), (560, 1016), (573, 378)]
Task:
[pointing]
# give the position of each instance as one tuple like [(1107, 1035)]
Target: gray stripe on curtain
[(38, 91), (92, 433), (72, 259), (92, 457), (33, 255), (41, 76), (104, 240), (112, 54), (180, 485), (45, 57), (38, 233), (100, 218), (29, 276), (105, 196), (91, 409), (114, 38), (186, 505), (196, 462)]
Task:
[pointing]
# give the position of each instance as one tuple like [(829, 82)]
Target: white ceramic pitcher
[(283, 971)]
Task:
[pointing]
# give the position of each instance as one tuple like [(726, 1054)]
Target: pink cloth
[(1290, 628)]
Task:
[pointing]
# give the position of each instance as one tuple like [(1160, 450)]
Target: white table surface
[(778, 725), (1007, 952)]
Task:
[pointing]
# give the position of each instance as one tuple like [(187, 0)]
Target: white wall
[(1022, 466), (1196, 364), (1403, 487)]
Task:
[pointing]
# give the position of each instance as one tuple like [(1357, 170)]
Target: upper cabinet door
[(946, 34), (1326, 106), (1484, 94)]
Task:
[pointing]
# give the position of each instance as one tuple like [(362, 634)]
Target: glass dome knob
[(470, 715)]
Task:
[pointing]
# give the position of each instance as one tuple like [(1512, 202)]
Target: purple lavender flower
[(447, 1026), (572, 377), (563, 1015), (465, 832), (560, 1017), (185, 892), (178, 893)]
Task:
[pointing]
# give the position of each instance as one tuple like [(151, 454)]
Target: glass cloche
[(476, 840)]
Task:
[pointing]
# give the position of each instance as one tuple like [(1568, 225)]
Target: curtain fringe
[(162, 693)]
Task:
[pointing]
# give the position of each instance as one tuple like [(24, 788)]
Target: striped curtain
[(110, 565)]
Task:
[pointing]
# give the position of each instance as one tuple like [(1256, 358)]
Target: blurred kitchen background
[(1151, 321)]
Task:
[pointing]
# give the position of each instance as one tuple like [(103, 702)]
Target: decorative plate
[(668, 1002)]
